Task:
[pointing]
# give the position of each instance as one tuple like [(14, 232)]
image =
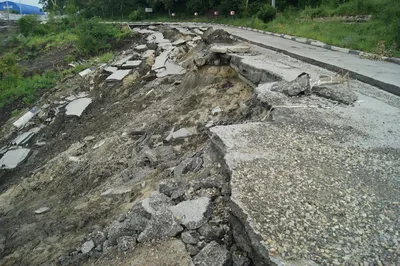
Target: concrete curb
[(311, 42)]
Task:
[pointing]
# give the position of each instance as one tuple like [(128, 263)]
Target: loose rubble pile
[(119, 164)]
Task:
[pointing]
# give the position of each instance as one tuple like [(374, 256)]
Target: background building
[(20, 8)]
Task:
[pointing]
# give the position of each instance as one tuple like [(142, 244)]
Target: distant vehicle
[(20, 8)]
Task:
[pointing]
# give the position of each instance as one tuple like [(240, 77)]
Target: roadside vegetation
[(57, 42), (315, 19)]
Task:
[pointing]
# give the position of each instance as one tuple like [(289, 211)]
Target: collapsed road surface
[(191, 148)]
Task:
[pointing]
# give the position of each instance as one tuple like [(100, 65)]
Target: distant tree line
[(122, 8)]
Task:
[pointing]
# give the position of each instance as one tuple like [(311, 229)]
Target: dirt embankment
[(84, 173)]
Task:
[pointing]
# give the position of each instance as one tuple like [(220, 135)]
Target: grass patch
[(26, 89), (105, 58)]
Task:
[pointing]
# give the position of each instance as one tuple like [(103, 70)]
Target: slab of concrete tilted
[(317, 185), (382, 74)]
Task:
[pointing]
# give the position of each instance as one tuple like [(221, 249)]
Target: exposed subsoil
[(68, 173)]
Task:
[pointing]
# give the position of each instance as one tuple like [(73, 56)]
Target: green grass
[(105, 58), (26, 89)]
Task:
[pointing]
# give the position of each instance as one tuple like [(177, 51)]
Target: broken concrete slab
[(192, 213), (122, 61), (148, 53), (131, 64), (183, 133), (161, 60), (224, 49), (213, 254), (22, 121), (77, 107), (110, 69), (171, 68), (198, 31), (184, 31), (197, 39), (144, 31), (87, 72), (141, 48), (118, 76), (42, 210), (179, 42), (22, 139), (13, 157), (155, 202), (336, 93), (301, 85)]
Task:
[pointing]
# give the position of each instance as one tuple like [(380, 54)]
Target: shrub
[(95, 37), (266, 13), (27, 25), (138, 14), (9, 68)]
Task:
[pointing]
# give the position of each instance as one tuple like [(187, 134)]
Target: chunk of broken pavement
[(162, 225), (213, 254), (86, 72), (223, 49), (13, 158), (77, 107), (183, 133), (155, 202), (192, 213), (188, 238), (118, 75), (87, 246), (141, 47), (336, 93), (131, 64), (293, 88), (179, 42)]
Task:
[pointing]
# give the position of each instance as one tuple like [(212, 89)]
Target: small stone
[(42, 210), (188, 238), (240, 260), (213, 254), (211, 233), (87, 246), (169, 188), (126, 243), (193, 250)]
